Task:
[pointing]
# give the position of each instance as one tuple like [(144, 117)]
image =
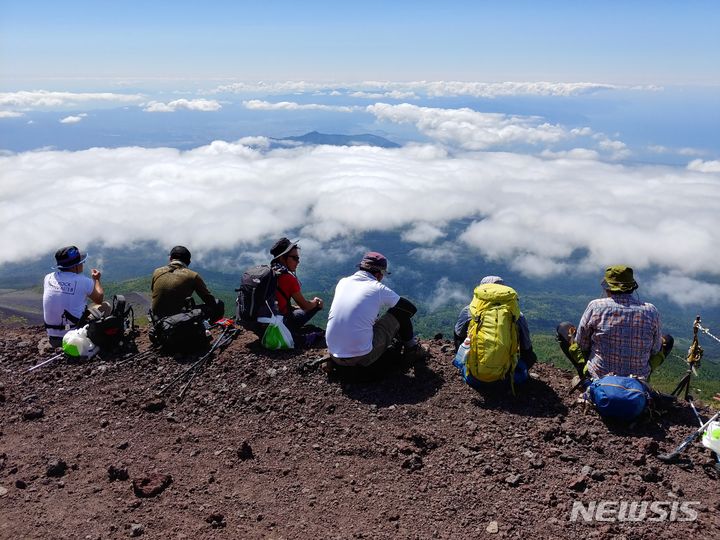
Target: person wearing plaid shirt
[(617, 334)]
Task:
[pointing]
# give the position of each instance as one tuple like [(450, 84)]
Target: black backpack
[(182, 332), (109, 331), (256, 294)]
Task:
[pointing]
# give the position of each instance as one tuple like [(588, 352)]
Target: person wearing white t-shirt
[(355, 336), (65, 293)]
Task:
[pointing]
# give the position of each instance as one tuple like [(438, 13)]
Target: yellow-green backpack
[(493, 333)]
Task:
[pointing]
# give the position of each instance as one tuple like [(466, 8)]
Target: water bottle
[(461, 355)]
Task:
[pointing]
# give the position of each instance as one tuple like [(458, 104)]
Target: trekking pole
[(219, 343), (41, 364), (688, 441), (137, 356)]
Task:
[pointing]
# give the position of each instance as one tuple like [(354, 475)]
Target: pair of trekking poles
[(226, 336)]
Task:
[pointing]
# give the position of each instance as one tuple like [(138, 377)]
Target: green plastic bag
[(277, 336)]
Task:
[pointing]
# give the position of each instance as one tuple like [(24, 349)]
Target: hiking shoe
[(327, 366), (577, 383), (416, 353), (565, 333)]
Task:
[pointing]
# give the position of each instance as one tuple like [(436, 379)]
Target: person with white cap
[(357, 337), (527, 356), (65, 293)]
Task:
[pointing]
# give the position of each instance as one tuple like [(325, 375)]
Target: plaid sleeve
[(585, 329), (657, 333)]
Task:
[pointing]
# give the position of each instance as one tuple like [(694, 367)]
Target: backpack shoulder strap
[(279, 273)]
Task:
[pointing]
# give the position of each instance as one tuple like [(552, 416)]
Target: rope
[(707, 332)]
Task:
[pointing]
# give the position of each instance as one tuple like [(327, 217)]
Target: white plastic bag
[(76, 343), (277, 336)]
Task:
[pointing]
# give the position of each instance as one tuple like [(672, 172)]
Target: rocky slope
[(257, 449)]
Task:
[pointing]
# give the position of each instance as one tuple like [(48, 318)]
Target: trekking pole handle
[(688, 440)]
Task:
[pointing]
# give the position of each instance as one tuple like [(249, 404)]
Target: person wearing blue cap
[(65, 293)]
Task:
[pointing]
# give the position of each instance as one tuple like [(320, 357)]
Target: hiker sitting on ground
[(356, 337), (286, 258), (492, 338), (527, 355), (174, 283), (65, 292), (617, 334)]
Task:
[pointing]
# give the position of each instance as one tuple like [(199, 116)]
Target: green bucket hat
[(619, 279)]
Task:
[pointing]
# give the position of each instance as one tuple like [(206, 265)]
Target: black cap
[(281, 247), (180, 253), (68, 257)]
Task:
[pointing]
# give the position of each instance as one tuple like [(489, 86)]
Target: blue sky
[(638, 42)]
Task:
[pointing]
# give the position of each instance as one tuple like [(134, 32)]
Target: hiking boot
[(416, 353)]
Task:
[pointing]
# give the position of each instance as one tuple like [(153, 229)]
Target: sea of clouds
[(535, 210)]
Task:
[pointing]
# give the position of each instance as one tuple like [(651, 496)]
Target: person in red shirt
[(295, 308)]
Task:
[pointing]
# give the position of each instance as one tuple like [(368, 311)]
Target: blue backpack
[(618, 397)]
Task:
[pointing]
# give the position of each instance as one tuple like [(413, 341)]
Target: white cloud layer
[(73, 119), (447, 292), (471, 130), (410, 90), (10, 114), (574, 153), (423, 233), (685, 291), (684, 151), (43, 99), (202, 105), (704, 166), (259, 105), (531, 212), (392, 94)]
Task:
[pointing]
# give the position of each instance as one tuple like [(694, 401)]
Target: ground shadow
[(414, 385), (655, 423), (534, 398)]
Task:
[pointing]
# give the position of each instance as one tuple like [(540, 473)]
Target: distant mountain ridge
[(364, 139)]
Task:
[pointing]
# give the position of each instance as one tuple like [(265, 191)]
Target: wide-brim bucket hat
[(619, 279)]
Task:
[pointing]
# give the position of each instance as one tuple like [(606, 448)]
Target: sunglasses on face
[(294, 257)]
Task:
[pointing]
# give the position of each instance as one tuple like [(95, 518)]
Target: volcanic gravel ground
[(258, 450)]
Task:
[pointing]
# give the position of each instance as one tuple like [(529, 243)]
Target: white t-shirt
[(64, 291), (354, 310)]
